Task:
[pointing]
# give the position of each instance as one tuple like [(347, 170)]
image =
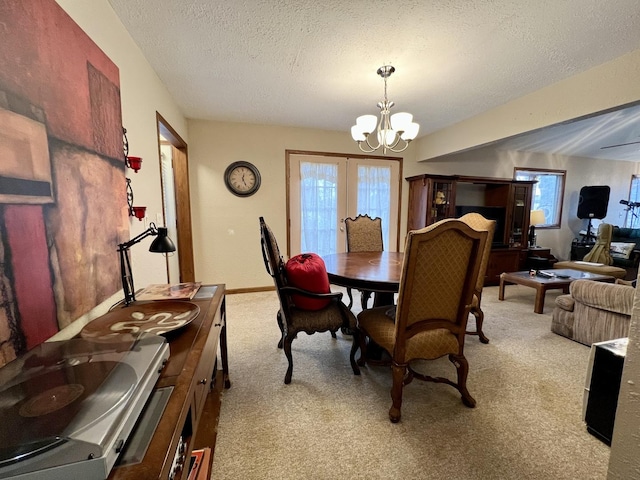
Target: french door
[(324, 190)]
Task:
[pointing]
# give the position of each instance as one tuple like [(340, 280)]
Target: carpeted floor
[(330, 424)]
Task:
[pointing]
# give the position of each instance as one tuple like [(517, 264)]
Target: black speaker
[(593, 201)]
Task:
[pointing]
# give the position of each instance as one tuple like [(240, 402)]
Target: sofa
[(627, 258), (593, 311)]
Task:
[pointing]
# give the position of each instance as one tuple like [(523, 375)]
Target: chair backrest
[(439, 274), (600, 253), (478, 222), (273, 261), (364, 234)]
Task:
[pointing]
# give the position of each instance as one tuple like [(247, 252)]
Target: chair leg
[(354, 348), (281, 326), (287, 351), (362, 340), (364, 298), (479, 316), (398, 372), (350, 298), (479, 320), (462, 366)]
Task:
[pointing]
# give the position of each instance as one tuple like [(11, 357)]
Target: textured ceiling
[(312, 63)]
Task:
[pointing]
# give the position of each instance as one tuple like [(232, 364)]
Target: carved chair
[(291, 318), (478, 222), (439, 274), (364, 234)]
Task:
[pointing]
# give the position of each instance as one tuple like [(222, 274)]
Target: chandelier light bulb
[(394, 132)]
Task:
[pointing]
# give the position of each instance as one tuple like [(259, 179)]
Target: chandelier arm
[(365, 151), (373, 148)]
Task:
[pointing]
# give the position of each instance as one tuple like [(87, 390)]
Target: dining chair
[(478, 222), (292, 318), (364, 234), (439, 274)]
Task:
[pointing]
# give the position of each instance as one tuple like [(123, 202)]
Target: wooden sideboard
[(188, 375)]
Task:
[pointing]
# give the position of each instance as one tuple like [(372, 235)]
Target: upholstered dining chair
[(478, 222), (293, 318), (364, 234), (439, 274)]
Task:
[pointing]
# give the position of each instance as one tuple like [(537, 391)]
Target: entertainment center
[(435, 197)]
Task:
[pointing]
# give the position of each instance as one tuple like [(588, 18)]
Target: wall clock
[(242, 178)]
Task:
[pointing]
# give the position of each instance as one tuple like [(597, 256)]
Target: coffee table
[(561, 279)]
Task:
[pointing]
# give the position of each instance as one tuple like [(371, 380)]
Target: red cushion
[(308, 272)]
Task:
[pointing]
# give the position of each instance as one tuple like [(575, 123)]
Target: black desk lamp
[(161, 244)]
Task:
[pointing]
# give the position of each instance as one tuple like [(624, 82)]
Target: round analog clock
[(242, 178)]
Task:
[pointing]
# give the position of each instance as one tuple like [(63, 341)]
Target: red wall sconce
[(138, 212), (134, 163)]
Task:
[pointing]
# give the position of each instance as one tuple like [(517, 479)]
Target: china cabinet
[(508, 202)]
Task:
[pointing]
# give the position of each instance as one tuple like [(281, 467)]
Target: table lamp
[(537, 218), (161, 244)]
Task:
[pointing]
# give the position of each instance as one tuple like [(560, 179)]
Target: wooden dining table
[(378, 272)]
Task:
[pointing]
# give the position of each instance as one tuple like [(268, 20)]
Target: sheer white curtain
[(374, 192), (319, 207)]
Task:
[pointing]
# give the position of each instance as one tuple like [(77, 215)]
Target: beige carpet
[(330, 424)]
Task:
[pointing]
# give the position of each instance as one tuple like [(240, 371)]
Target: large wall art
[(63, 206)]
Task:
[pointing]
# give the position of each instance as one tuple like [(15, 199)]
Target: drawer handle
[(203, 381)]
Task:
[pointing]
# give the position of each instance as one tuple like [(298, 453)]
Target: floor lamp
[(161, 244)]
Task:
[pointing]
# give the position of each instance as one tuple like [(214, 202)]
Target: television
[(499, 214)]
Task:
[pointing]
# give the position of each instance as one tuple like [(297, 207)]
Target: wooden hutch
[(436, 197)]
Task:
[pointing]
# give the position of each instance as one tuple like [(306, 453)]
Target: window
[(548, 193), (632, 219)]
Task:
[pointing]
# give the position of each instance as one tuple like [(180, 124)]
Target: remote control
[(545, 274)]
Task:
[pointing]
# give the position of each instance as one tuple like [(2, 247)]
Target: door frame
[(183, 199), (288, 154)]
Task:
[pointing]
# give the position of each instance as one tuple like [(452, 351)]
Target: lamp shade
[(162, 243), (537, 218), (367, 123), (400, 121)]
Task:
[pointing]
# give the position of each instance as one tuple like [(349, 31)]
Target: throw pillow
[(621, 249), (308, 272)]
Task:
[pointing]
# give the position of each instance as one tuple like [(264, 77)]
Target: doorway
[(324, 189), (176, 204)]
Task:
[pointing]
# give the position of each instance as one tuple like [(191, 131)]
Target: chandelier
[(394, 132)]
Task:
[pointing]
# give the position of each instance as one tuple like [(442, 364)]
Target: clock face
[(242, 179)]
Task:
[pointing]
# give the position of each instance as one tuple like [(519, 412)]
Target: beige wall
[(226, 234), (142, 94)]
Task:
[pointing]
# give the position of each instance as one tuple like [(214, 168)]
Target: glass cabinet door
[(442, 200), (519, 216)]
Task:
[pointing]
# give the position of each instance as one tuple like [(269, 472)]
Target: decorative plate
[(152, 317)]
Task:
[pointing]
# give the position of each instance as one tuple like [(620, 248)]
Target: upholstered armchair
[(478, 222), (303, 310), (594, 311), (364, 234), (431, 315)]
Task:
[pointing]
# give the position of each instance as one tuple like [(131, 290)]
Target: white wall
[(142, 94)]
